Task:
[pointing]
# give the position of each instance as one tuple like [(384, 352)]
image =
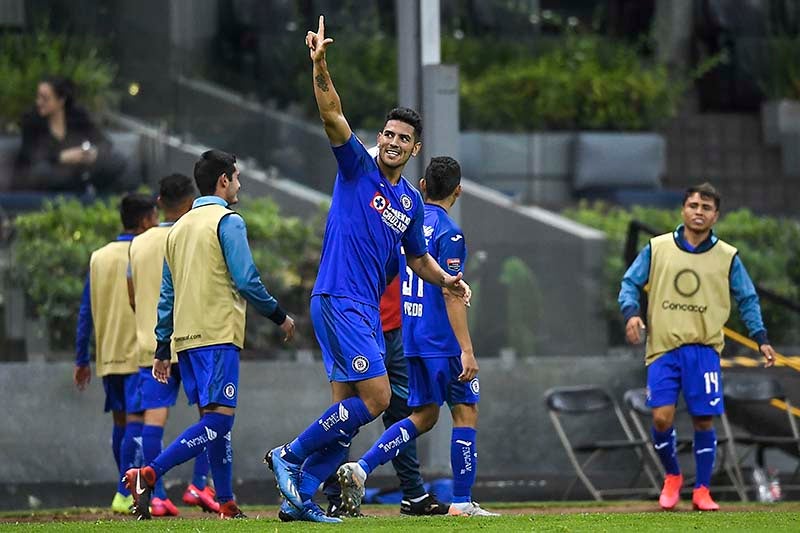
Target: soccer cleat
[(122, 504), (671, 493), (140, 481), (352, 479), (202, 498), (468, 509), (288, 512), (287, 475), (229, 509), (165, 507), (701, 500), (427, 506)]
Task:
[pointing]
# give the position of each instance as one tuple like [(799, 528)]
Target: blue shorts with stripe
[(350, 336), (435, 380), (152, 394), (121, 390), (692, 368), (211, 374)]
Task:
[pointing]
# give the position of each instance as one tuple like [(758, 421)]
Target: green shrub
[(768, 247), (52, 247), (27, 58)]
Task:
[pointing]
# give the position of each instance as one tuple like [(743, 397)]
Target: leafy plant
[(28, 57), (51, 251), (767, 247)]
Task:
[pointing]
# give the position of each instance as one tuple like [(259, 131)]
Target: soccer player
[(176, 194), (690, 275), (373, 209), (208, 279), (441, 362), (104, 308)]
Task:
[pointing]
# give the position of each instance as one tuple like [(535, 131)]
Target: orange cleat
[(701, 500), (159, 507), (202, 498), (671, 493), (140, 481), (229, 509)]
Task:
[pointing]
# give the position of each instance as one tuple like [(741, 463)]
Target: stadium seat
[(758, 404), (641, 417), (585, 404)]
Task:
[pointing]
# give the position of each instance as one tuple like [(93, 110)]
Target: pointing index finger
[(321, 28)]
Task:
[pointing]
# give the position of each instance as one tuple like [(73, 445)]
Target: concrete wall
[(57, 434)]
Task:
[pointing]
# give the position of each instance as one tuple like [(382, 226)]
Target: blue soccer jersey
[(426, 328), (368, 219)]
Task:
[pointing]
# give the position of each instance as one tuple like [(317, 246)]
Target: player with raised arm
[(441, 362), (374, 209)]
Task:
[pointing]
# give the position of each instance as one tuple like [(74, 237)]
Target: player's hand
[(161, 370), (469, 365), (634, 329), (457, 287), (316, 42), (769, 354), (82, 375), (288, 329)]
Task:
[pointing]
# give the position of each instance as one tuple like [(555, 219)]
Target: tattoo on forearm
[(322, 83)]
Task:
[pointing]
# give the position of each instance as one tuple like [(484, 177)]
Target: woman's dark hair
[(63, 87)]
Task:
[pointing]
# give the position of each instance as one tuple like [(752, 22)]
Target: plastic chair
[(641, 414), (594, 401)]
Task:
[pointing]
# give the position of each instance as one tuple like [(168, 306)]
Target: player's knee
[(378, 402), (662, 421), (703, 423)]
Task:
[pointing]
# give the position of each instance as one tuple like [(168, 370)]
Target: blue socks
[(192, 442), (389, 445), (220, 456), (664, 444), (342, 418), (322, 464), (705, 451), (151, 447), (464, 461), (116, 443), (128, 452), (200, 472)]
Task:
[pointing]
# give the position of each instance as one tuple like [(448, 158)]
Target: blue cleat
[(289, 513), (286, 474), (312, 513)]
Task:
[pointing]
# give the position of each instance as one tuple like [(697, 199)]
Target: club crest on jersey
[(229, 391), (475, 386), (405, 200), (454, 264), (360, 364), (379, 203)]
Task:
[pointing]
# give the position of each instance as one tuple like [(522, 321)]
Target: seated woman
[(62, 149)]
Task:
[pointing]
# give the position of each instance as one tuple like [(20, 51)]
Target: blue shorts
[(350, 336), (694, 368), (435, 380), (121, 390), (211, 374), (152, 394)]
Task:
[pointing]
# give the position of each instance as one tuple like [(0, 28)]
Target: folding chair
[(754, 402), (593, 401), (641, 414)]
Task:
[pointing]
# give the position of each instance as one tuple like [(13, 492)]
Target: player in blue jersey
[(441, 362), (374, 209)]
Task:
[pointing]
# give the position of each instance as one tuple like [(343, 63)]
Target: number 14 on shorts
[(712, 381)]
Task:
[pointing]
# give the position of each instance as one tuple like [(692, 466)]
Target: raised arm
[(328, 102)]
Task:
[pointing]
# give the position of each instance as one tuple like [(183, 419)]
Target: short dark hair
[(133, 208), (409, 116), (706, 191), (210, 166), (175, 189), (442, 177)]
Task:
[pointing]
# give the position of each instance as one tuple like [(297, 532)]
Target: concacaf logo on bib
[(475, 386), (229, 391), (360, 364)]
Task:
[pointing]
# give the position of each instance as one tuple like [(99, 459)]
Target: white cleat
[(468, 509), (352, 478)]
